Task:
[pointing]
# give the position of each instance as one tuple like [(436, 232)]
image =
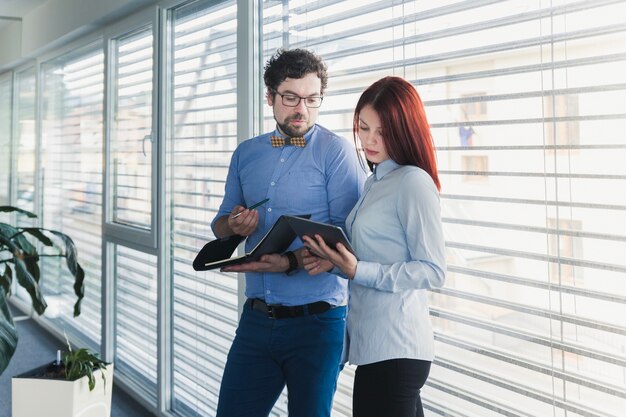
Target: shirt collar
[(385, 168)]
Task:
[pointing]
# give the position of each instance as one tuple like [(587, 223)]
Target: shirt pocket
[(308, 192)]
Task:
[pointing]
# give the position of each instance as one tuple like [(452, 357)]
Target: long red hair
[(405, 130)]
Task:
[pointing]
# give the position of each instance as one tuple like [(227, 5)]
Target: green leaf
[(9, 209), (38, 233), (24, 244), (8, 333), (26, 280), (71, 256), (6, 233), (80, 363), (6, 279)]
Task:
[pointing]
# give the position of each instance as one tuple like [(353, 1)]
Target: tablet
[(331, 234)]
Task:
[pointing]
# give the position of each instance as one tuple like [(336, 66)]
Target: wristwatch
[(293, 262)]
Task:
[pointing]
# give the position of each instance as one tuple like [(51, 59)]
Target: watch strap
[(293, 262)]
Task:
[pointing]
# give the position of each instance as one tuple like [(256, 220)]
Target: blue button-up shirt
[(395, 229), (323, 179)]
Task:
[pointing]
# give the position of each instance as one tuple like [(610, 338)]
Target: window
[(71, 159), (6, 99), (475, 167), (130, 159), (503, 326), (562, 127), (473, 107), (135, 317), (563, 243), (203, 135), (25, 140)]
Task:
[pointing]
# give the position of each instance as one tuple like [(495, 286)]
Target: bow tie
[(277, 141)]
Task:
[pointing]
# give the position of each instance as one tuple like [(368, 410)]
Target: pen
[(255, 205)]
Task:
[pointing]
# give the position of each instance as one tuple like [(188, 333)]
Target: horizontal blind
[(25, 141), (6, 102), (130, 162), (131, 130), (525, 101), (136, 317), (203, 134), (71, 157)]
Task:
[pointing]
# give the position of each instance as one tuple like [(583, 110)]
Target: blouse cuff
[(338, 272), (366, 273)]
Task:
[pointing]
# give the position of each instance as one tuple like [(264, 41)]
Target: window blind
[(24, 134), (203, 134), (71, 161), (524, 104), (131, 129), (130, 162), (136, 356), (6, 101)]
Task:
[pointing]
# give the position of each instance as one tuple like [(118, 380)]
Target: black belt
[(284, 312)]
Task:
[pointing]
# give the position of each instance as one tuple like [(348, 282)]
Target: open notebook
[(218, 252)]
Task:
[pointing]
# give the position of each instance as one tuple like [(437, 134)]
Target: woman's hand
[(341, 257)]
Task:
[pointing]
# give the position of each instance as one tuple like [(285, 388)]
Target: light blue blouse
[(395, 229)]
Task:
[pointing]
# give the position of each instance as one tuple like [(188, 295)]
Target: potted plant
[(19, 260), (65, 387)]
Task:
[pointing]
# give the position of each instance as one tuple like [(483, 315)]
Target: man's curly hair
[(293, 63)]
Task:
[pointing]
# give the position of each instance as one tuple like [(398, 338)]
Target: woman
[(395, 230)]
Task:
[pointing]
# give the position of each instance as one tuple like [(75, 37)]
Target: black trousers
[(389, 388)]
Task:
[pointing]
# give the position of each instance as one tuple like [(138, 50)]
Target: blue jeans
[(301, 352)]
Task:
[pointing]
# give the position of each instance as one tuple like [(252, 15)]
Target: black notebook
[(331, 234), (218, 252)]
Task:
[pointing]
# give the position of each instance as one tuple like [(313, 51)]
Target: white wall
[(56, 22), (10, 43)]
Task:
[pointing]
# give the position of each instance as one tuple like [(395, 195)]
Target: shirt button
[(269, 209), (268, 292), (273, 183), (282, 159)]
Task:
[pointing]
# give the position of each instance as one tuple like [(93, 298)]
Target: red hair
[(405, 130)]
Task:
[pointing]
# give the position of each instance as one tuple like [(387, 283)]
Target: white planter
[(59, 398)]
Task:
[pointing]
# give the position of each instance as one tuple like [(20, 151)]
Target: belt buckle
[(270, 312)]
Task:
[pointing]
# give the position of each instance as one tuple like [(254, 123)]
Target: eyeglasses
[(291, 100)]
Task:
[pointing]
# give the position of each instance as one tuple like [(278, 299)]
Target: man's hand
[(267, 263), (314, 264), (244, 224)]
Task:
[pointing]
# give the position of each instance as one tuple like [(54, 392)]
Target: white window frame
[(127, 235)]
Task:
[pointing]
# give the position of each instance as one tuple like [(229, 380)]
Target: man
[(292, 326)]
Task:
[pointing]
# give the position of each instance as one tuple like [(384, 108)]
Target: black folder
[(218, 252), (331, 234)]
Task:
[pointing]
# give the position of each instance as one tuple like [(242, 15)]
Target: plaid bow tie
[(277, 141)]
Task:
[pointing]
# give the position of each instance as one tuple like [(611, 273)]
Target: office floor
[(35, 347)]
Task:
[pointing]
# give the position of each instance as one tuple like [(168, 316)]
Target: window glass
[(6, 90), (131, 143), (71, 159), (25, 141), (203, 136), (136, 317), (524, 100)]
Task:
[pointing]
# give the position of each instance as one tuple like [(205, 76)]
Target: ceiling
[(14, 10)]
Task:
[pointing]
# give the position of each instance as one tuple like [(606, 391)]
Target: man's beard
[(290, 131)]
